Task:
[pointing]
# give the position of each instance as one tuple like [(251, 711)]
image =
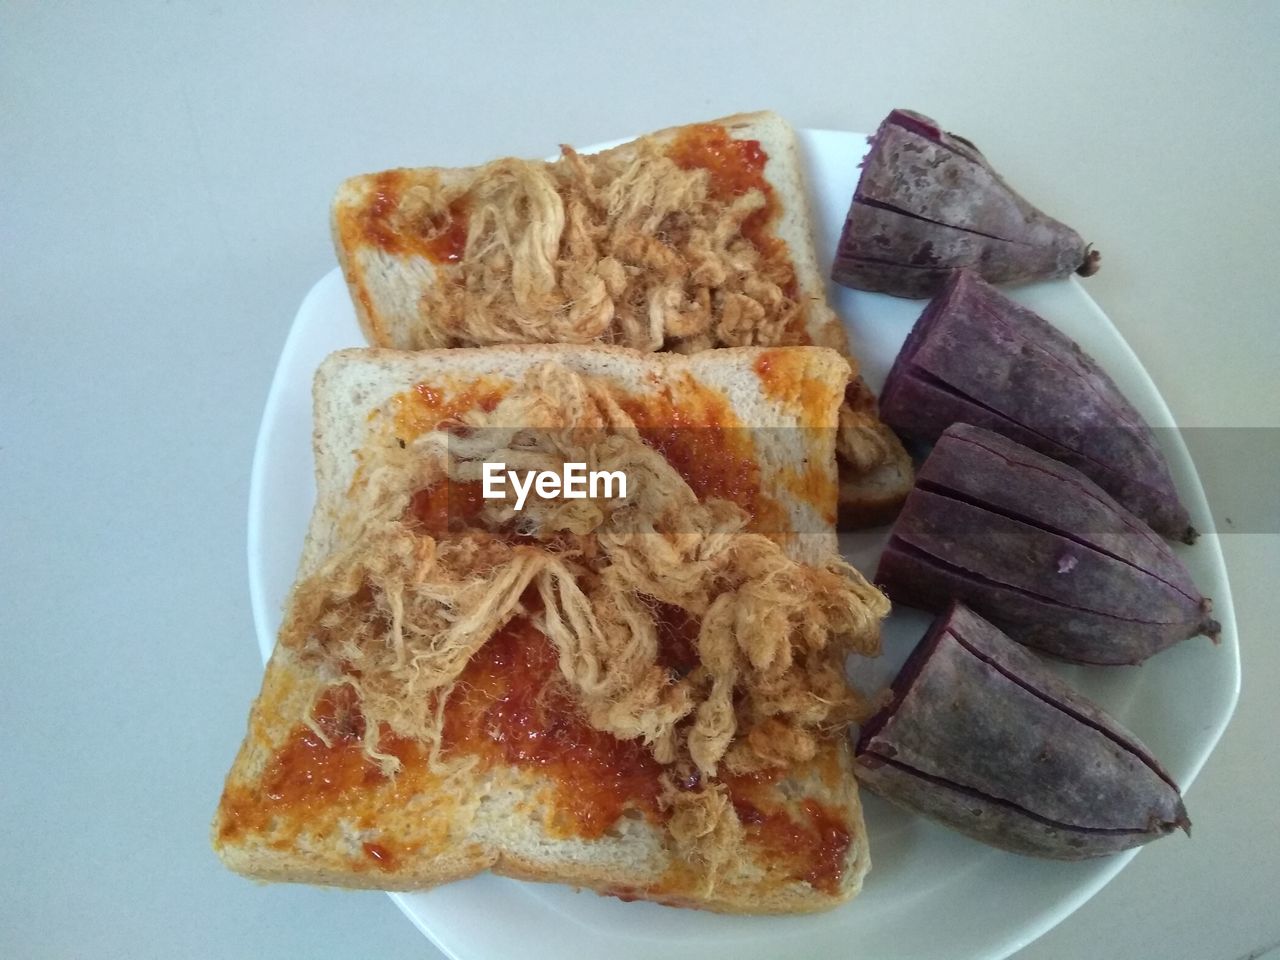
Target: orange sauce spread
[(709, 447), (448, 239), (736, 167), (440, 236), (382, 857), (446, 507), (812, 848), (510, 705), (782, 377), (427, 406), (704, 441), (376, 222), (307, 777), (815, 486)]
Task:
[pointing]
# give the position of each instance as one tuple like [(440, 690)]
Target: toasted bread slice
[(690, 238), (523, 785)]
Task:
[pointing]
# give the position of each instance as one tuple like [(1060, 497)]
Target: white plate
[(931, 892)]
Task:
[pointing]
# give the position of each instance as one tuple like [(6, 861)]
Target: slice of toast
[(520, 777), (690, 238)]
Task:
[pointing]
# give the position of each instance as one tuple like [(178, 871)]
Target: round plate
[(931, 892)]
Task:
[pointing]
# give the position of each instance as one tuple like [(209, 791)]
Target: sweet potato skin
[(975, 356), (928, 202), (1041, 551), (987, 467), (982, 737)]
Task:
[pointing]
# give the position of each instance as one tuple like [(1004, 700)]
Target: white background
[(165, 171)]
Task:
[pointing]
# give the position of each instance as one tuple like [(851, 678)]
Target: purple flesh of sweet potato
[(928, 203), (1041, 551), (982, 737), (975, 356)]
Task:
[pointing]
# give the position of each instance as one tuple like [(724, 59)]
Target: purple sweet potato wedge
[(981, 736), (928, 202), (1040, 550), (975, 356)]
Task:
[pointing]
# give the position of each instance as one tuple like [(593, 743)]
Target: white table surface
[(165, 171)]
